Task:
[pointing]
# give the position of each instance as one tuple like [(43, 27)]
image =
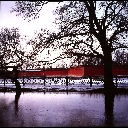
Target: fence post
[(90, 81), (66, 80), (23, 81), (4, 81), (116, 81), (44, 79)]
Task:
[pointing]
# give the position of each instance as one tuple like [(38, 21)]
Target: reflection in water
[(62, 109), (9, 114), (18, 93), (17, 96), (109, 105)]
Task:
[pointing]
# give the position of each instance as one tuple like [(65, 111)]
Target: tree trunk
[(17, 83), (108, 76)]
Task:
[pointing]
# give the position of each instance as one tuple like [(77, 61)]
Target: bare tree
[(10, 48), (87, 28), (120, 57), (11, 52)]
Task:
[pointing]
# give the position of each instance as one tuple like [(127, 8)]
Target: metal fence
[(118, 80)]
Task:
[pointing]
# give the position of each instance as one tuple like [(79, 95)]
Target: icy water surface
[(52, 109)]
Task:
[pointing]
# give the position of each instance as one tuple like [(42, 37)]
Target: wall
[(94, 70)]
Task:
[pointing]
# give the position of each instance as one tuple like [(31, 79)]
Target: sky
[(11, 20), (46, 19)]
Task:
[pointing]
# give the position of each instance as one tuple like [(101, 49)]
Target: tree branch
[(88, 55), (113, 18)]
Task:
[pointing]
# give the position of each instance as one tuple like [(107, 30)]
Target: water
[(54, 109)]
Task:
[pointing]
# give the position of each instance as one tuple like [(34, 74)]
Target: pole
[(66, 80), (90, 81), (44, 79)]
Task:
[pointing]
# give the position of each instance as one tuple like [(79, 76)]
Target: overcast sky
[(8, 19), (11, 20)]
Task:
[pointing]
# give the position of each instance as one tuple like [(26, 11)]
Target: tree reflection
[(18, 93), (109, 106), (17, 96)]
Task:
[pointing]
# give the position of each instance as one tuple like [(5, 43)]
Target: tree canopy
[(81, 26), (11, 50), (85, 29)]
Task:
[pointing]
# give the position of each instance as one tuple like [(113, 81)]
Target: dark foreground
[(64, 109)]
